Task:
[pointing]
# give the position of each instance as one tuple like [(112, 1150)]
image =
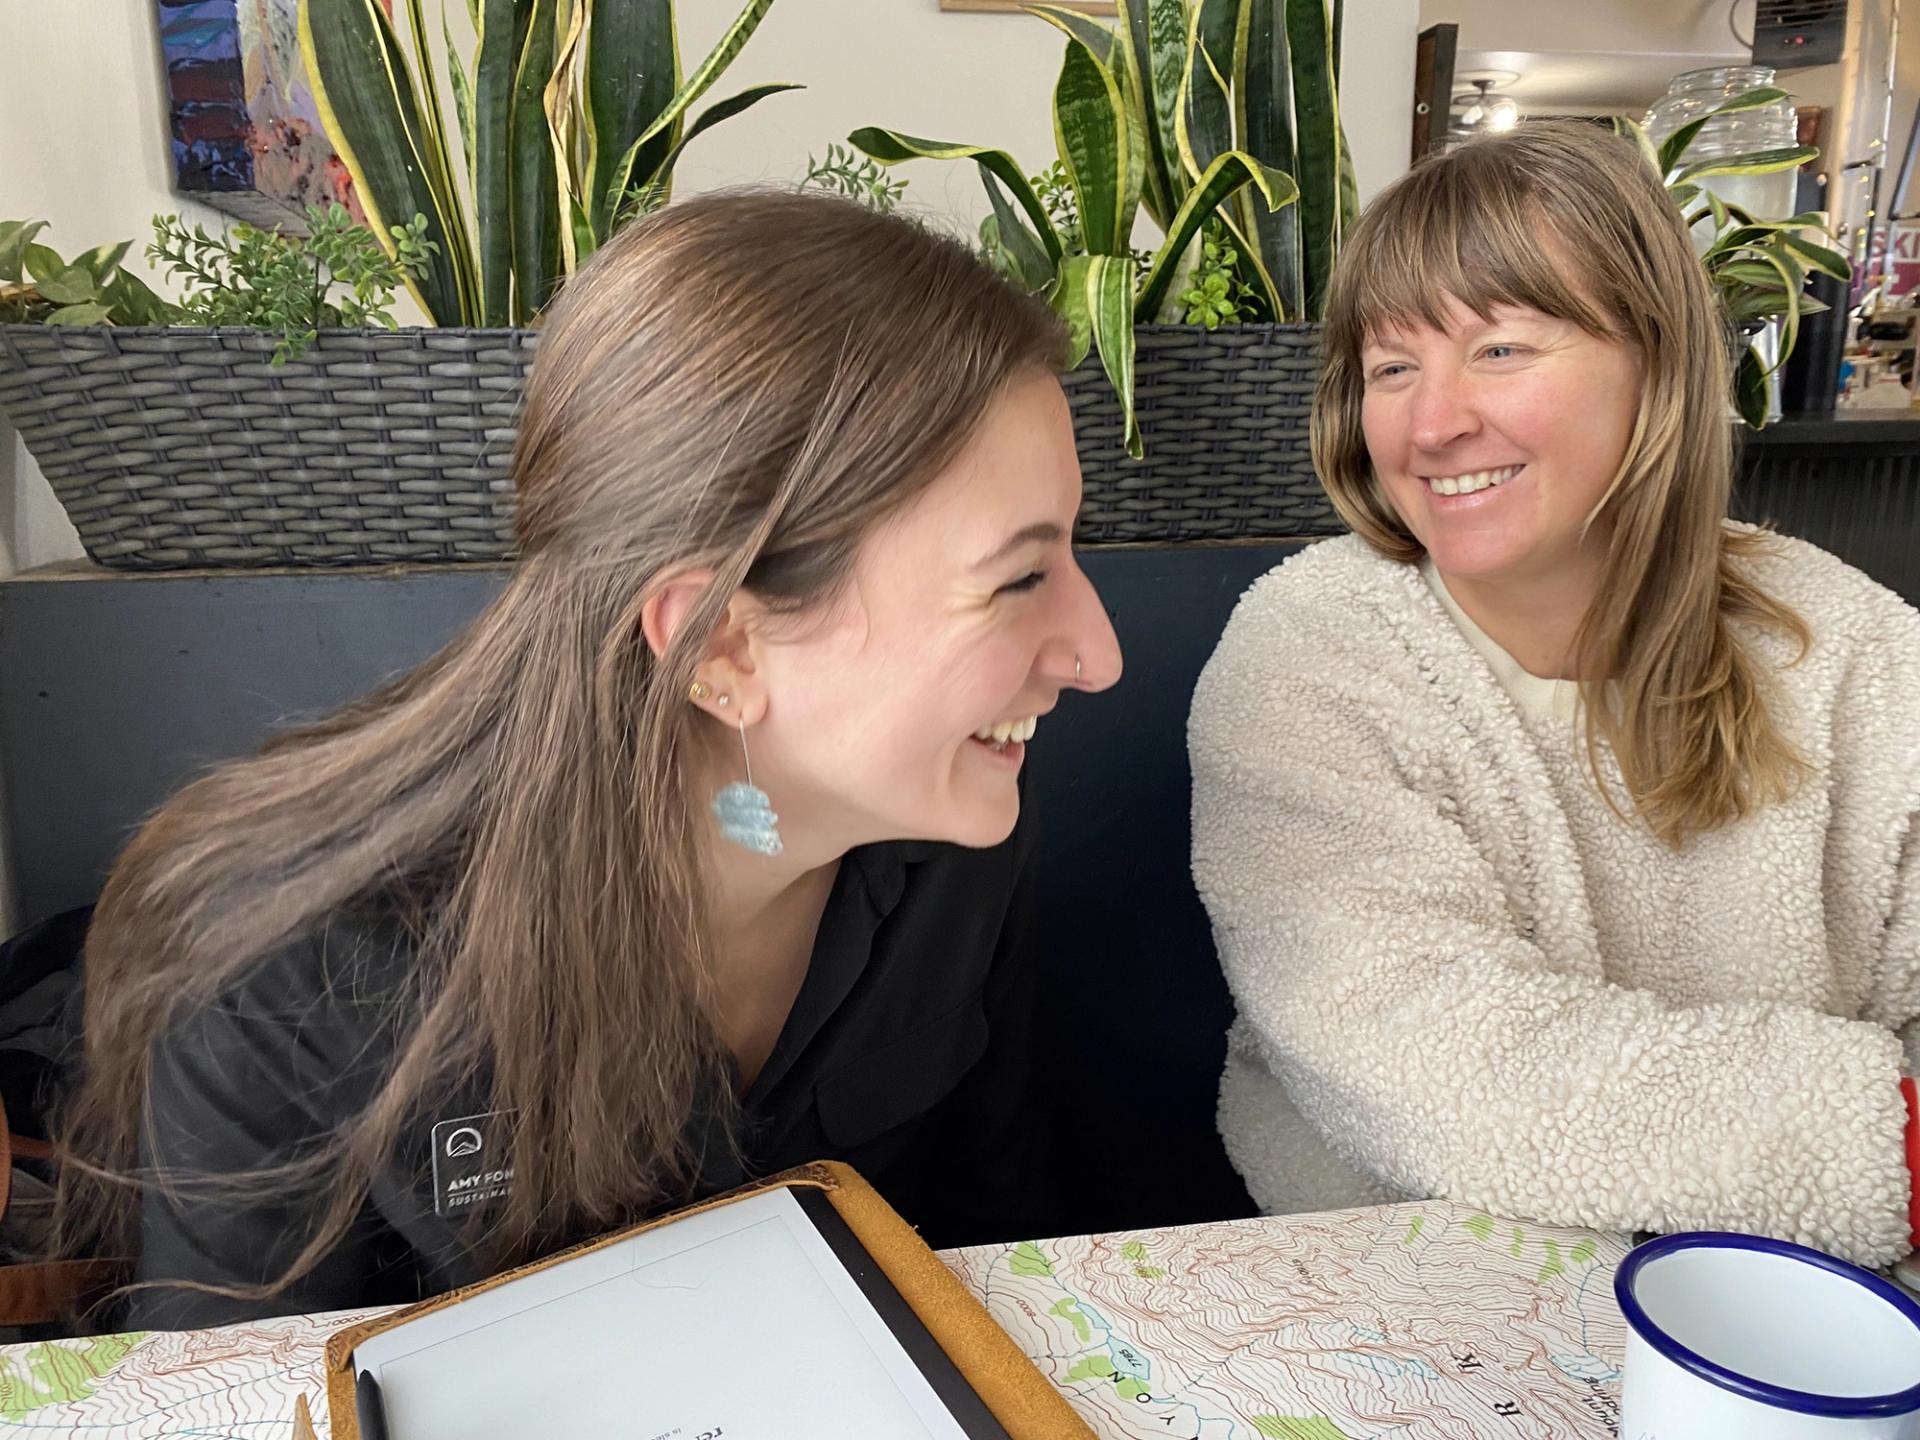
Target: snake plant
[(1758, 266), (571, 116), (1204, 77), (1192, 110)]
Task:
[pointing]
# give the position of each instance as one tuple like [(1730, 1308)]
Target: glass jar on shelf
[(1770, 127)]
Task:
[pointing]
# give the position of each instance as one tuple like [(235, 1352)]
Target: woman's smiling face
[(1496, 439), (965, 616)]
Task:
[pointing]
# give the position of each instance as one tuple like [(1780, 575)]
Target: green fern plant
[(846, 172), (337, 275)]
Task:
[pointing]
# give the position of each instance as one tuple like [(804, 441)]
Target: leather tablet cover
[(1023, 1400)]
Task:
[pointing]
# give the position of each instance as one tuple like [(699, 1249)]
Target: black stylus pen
[(368, 1408)]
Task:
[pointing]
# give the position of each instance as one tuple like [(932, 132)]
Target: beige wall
[(83, 126)]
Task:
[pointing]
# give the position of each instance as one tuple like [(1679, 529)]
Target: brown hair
[(747, 383), (1669, 685)]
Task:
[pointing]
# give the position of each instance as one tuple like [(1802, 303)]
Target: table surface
[(1425, 1321)]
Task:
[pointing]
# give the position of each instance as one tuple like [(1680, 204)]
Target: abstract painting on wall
[(246, 130)]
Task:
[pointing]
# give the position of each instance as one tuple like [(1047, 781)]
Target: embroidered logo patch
[(469, 1162)]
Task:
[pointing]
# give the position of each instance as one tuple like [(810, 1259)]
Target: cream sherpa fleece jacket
[(1458, 973)]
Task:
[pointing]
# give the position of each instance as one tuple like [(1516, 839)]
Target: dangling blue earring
[(745, 813)]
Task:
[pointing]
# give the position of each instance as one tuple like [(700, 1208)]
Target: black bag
[(41, 994)]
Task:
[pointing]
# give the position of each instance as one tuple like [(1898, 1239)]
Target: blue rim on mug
[(1847, 1407)]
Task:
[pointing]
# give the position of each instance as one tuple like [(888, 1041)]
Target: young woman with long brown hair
[(1559, 835), (517, 950)]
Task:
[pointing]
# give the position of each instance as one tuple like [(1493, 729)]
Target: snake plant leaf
[(1349, 186), (1069, 301), (1033, 268), (1758, 162), (1318, 143), (1096, 142), (1077, 26), (569, 130), (437, 152), (890, 147), (1151, 64), (1263, 105), (371, 110), (1203, 121), (632, 75), (1110, 282), (1228, 175), (1675, 145), (533, 193), (627, 175), (503, 26), (1095, 299), (714, 114), (462, 88), (1110, 50)]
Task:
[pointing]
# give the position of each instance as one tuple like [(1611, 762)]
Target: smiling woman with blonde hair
[(1559, 835)]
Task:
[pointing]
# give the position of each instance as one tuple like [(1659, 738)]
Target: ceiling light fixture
[(1484, 110)]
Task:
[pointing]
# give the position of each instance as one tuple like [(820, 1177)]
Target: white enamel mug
[(1735, 1337)]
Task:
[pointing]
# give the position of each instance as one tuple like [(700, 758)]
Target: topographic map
[(239, 1382), (1418, 1322)]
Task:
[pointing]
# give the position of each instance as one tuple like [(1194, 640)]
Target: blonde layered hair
[(1568, 220)]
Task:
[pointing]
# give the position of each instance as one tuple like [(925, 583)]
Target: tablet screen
[(763, 1319)]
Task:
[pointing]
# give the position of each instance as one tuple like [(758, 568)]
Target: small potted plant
[(1758, 265)]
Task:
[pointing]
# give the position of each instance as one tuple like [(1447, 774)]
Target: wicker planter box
[(173, 448), (1224, 414)]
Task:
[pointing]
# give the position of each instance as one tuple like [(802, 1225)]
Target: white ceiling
[(1589, 56), (1594, 82)]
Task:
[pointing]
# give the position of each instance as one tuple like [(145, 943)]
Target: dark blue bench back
[(120, 688), (1134, 1008)]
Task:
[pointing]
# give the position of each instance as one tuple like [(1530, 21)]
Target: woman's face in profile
[(1496, 438), (899, 712)]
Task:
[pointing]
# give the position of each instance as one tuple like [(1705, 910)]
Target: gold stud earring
[(699, 690)]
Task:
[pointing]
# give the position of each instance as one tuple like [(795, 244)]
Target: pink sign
[(1906, 258)]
